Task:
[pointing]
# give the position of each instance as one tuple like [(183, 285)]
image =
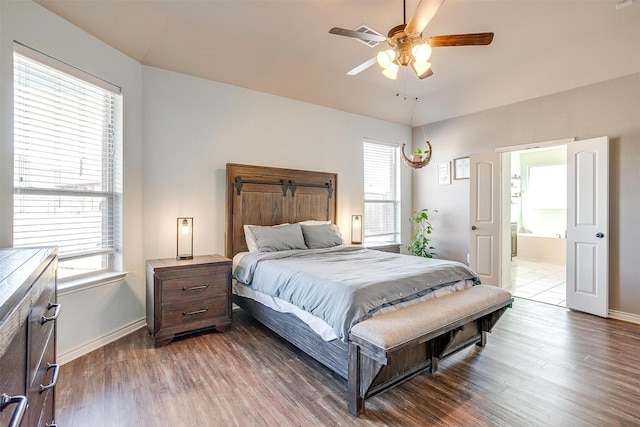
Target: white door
[(588, 226), (484, 216)]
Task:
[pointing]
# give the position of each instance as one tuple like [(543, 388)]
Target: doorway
[(587, 214), (537, 182)]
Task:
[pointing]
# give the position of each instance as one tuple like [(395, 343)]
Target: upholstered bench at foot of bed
[(411, 339)]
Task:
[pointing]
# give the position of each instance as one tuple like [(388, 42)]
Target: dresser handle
[(191, 313), (195, 288), (50, 425), (56, 313), (16, 418), (54, 379)]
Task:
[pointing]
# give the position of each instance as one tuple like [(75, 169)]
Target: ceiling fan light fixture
[(421, 52), (421, 67), (385, 58), (391, 72)]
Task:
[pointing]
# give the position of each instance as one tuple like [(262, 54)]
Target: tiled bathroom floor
[(538, 281)]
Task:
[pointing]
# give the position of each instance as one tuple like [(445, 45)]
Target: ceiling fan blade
[(424, 12), (477, 39), (360, 68), (427, 74), (357, 34)]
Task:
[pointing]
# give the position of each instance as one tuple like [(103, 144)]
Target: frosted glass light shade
[(385, 58), (184, 233), (421, 67), (356, 228), (391, 72), (421, 52)]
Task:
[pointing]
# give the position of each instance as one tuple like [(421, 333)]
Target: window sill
[(66, 287)]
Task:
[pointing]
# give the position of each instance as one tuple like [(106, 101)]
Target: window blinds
[(381, 194), (64, 148)]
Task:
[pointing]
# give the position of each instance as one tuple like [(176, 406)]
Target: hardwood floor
[(542, 366)]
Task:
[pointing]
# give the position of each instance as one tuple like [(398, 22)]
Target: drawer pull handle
[(195, 288), (56, 313), (191, 313), (16, 418), (54, 379)]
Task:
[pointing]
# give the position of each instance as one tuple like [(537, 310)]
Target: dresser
[(184, 296), (28, 313)]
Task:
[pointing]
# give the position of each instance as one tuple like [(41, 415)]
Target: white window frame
[(110, 192), (371, 237)]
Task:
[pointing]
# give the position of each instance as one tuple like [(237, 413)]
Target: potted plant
[(418, 155), (419, 244)]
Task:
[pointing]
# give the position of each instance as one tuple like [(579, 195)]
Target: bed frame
[(269, 196)]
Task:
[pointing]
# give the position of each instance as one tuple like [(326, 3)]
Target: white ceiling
[(284, 48)]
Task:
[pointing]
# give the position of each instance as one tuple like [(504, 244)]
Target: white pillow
[(251, 241), (313, 222)]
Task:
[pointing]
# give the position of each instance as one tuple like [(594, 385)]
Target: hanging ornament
[(419, 158)]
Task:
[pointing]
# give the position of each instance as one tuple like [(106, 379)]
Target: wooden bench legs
[(355, 402), (373, 370)]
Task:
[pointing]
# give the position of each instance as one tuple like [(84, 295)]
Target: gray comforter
[(346, 284)]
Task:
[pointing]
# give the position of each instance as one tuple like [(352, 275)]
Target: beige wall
[(194, 127), (610, 108), (90, 316)]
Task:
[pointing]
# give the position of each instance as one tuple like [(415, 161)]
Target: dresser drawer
[(41, 320), (47, 417), (187, 312), (195, 287), (12, 369), (41, 387)]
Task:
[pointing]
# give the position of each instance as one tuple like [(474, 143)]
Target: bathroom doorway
[(538, 223)]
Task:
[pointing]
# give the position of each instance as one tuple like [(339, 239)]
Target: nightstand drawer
[(197, 287), (180, 313)]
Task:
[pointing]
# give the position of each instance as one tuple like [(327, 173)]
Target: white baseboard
[(627, 317), (101, 341)]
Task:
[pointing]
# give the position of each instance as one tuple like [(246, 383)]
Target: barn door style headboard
[(260, 195)]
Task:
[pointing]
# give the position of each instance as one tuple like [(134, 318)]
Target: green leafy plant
[(419, 154), (420, 244)]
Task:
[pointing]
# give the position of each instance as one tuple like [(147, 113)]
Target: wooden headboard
[(261, 195)]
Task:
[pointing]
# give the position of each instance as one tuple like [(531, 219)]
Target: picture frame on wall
[(461, 168), (444, 173)]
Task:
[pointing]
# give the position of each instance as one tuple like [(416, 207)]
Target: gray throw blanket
[(346, 284)]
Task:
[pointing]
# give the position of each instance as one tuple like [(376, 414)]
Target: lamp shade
[(421, 52), (420, 67), (356, 228), (391, 72), (385, 58), (184, 245)]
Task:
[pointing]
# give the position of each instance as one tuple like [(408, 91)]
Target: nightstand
[(185, 296)]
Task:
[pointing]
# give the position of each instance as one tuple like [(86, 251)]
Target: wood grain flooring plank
[(543, 366)]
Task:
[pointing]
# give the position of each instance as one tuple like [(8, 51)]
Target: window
[(67, 157), (547, 187), (381, 193)]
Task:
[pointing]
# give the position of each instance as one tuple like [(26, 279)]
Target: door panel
[(484, 247), (588, 226)]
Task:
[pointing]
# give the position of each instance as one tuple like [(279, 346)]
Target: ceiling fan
[(407, 46)]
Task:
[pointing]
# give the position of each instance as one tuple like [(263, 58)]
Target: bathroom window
[(547, 187)]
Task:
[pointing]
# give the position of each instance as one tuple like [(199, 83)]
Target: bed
[(372, 352)]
